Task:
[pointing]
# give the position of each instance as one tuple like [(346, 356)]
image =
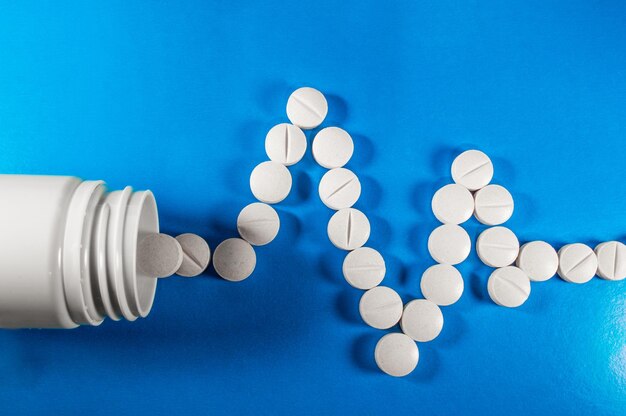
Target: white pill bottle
[(68, 252)]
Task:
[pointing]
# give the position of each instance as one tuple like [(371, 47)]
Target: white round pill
[(286, 144), (258, 224), (577, 263), (422, 320), (449, 244), (339, 188), (159, 255), (509, 286), (611, 260), (348, 229), (538, 260), (234, 259), (396, 354), (332, 147), (380, 307), (442, 284), (497, 247), (472, 169), (307, 108), (270, 182), (196, 255), (453, 204), (493, 205), (364, 268)]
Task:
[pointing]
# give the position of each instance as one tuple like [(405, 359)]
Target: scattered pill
[(234, 259), (421, 320), (472, 169), (159, 255), (307, 108), (508, 286), (258, 224), (611, 260), (332, 147), (196, 255), (364, 268), (380, 307), (453, 204), (270, 182), (449, 244), (442, 284), (493, 205), (339, 188), (285, 144), (577, 263), (396, 354), (348, 229), (538, 260), (497, 247)]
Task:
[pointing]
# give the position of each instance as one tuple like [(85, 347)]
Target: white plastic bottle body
[(68, 252)]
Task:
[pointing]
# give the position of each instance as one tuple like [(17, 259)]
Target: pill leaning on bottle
[(332, 147), (472, 169), (339, 188), (577, 263), (497, 247), (380, 307), (258, 224), (453, 204), (442, 284), (611, 260), (159, 255), (307, 108), (364, 268), (196, 255), (539, 260), (396, 354), (449, 244), (508, 286), (234, 259), (270, 182), (285, 144), (493, 205), (348, 229)]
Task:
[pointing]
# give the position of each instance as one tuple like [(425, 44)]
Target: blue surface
[(178, 98)]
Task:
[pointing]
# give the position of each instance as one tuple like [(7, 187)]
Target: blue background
[(178, 97)]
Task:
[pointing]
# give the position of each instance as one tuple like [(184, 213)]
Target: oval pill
[(421, 320), (577, 263), (285, 144), (449, 244), (258, 224), (497, 247), (493, 205), (348, 229), (396, 354), (159, 255), (472, 169), (453, 204), (307, 108), (339, 188), (234, 259), (380, 307), (332, 147), (196, 255), (364, 268), (509, 286), (442, 284), (611, 260), (270, 182), (538, 260)]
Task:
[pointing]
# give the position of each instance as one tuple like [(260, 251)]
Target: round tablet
[(508, 286), (307, 108), (380, 307), (422, 320), (453, 204), (348, 229), (497, 247), (396, 354), (364, 268), (339, 188), (270, 182), (493, 205), (159, 255), (332, 147), (285, 143), (472, 169), (234, 259), (196, 255), (538, 260), (442, 284), (258, 224), (611, 260), (449, 244), (577, 263)]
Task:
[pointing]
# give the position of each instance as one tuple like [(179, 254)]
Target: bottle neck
[(100, 274)]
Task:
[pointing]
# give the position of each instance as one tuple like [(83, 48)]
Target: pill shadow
[(454, 328), (417, 237), (371, 194), (363, 352), (427, 366), (503, 168), (396, 273), (421, 197), (290, 227), (478, 284), (250, 137), (337, 110), (347, 305), (363, 152), (301, 189), (441, 161), (331, 264), (272, 97), (381, 232)]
